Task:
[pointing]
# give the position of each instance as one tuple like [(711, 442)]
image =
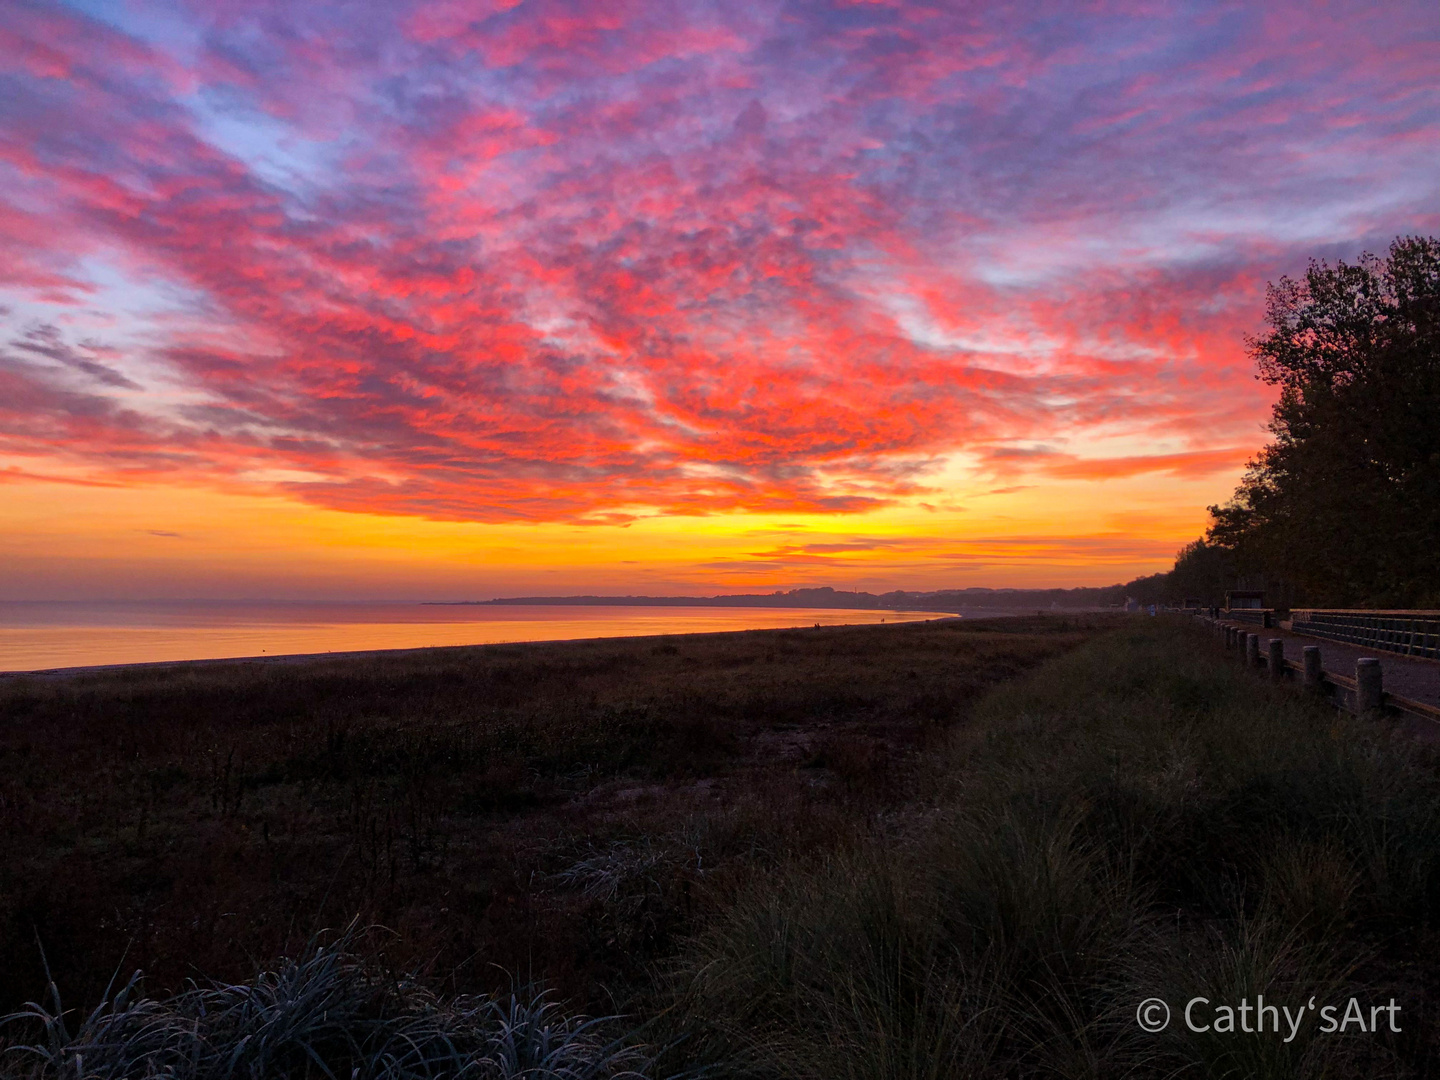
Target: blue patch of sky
[(124, 313), (158, 25), (274, 151)]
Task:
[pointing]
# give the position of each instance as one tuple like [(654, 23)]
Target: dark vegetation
[(818, 854), (540, 810), (1342, 508), (1137, 819), (328, 1014)]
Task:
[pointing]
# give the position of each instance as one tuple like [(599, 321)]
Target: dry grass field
[(532, 811)]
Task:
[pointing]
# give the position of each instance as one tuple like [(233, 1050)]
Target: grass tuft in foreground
[(323, 1015)]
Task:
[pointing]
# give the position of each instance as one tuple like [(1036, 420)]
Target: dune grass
[(323, 1015), (1135, 819)]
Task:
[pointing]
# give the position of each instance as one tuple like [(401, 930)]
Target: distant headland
[(826, 597)]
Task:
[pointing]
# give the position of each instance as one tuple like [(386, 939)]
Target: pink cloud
[(569, 259)]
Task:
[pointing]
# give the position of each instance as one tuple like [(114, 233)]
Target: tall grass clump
[(1137, 818), (325, 1014)]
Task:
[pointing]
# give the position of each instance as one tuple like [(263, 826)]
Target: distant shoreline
[(660, 601), (378, 653), (997, 600)]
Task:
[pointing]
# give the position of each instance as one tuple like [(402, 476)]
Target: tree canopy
[(1345, 502)]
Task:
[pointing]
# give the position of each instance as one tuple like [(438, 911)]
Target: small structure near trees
[(1244, 598)]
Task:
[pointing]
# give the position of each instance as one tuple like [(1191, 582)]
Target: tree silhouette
[(1345, 503)]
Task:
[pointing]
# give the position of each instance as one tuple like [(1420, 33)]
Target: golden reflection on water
[(36, 637)]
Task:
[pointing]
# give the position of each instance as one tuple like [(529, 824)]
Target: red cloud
[(581, 260), (1199, 463)]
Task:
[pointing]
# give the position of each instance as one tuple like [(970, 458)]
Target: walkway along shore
[(1357, 680)]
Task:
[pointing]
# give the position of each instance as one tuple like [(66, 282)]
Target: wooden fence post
[(1252, 650), (1314, 672), (1275, 658), (1369, 689)]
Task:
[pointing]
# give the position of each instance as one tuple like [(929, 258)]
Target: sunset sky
[(437, 299)]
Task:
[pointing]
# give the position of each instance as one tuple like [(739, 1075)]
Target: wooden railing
[(1364, 693), (1409, 633)]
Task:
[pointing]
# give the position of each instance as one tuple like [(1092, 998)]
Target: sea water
[(41, 635)]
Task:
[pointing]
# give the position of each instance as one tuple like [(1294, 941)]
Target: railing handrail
[(1414, 613), (1415, 634)]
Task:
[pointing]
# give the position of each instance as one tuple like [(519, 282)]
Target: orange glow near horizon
[(164, 542), (442, 300)]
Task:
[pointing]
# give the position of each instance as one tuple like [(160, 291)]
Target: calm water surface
[(38, 636)]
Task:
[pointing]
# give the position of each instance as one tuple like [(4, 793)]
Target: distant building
[(1241, 599)]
